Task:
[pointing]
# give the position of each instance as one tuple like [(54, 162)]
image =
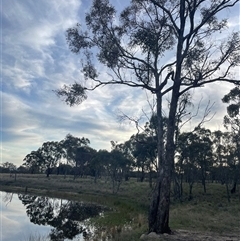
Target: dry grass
[(208, 212)]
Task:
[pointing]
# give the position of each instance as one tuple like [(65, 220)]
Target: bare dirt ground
[(185, 235)]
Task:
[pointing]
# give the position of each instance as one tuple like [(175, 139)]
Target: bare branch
[(207, 112), (123, 117)]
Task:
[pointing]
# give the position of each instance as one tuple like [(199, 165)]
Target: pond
[(26, 217)]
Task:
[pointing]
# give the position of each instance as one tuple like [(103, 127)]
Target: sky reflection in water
[(23, 215)]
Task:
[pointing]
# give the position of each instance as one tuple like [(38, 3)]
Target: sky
[(35, 60)]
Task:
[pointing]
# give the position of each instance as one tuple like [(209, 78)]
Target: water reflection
[(66, 218), (7, 198)]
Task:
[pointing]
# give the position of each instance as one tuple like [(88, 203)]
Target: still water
[(24, 216)]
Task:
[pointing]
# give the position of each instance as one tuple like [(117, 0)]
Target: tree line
[(201, 155)]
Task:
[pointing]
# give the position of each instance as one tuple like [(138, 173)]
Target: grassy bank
[(205, 212)]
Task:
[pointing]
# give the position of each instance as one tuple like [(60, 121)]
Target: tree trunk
[(158, 219), (204, 185), (235, 180), (142, 175), (177, 187), (95, 177), (150, 178), (203, 172), (233, 190), (228, 195), (48, 171), (190, 191), (159, 209)]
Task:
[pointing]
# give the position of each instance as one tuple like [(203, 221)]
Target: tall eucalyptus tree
[(134, 46)]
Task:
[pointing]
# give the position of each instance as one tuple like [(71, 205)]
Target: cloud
[(27, 125), (30, 30), (36, 60)]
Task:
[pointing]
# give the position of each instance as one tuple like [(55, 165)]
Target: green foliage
[(74, 94), (233, 118)]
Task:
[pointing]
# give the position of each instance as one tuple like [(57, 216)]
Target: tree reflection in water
[(66, 217)]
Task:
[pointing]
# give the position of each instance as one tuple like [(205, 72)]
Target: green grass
[(205, 212)]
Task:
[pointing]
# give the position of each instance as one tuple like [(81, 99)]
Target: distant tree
[(219, 148), (83, 158), (144, 151), (232, 159), (51, 153), (45, 158), (232, 119), (205, 154), (127, 158), (8, 167), (63, 169), (115, 164), (140, 155), (134, 46), (34, 162), (195, 156), (22, 169), (187, 161), (232, 122), (70, 145), (97, 164)]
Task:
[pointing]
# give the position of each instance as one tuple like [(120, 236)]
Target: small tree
[(144, 151), (220, 144), (116, 164)]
